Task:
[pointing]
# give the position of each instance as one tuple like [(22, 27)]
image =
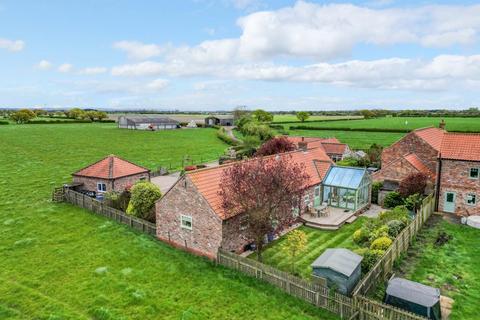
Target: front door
[(449, 204), (316, 198)]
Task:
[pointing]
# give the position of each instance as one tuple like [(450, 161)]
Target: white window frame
[(99, 189), (474, 197), (243, 222), (306, 199), (470, 173), (186, 218)]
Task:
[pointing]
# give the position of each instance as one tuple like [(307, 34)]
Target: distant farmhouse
[(147, 123), (219, 120)]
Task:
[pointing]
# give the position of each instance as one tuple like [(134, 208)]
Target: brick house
[(190, 215), (458, 185), (332, 146), (109, 174)]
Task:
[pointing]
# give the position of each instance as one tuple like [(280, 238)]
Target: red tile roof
[(207, 181), (432, 136), (111, 167), (330, 145), (335, 148), (419, 165), (460, 146)]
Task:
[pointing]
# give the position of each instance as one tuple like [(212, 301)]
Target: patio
[(333, 220)]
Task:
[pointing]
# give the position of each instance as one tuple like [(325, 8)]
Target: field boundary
[(350, 129), (80, 200)]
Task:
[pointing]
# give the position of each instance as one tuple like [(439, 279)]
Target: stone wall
[(184, 199), (454, 177), (118, 185)]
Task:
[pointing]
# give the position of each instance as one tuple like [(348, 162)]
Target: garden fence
[(98, 207)]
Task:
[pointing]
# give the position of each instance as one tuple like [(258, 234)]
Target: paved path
[(373, 211), (166, 182)]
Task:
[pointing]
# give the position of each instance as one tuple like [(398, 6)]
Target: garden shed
[(414, 297), (341, 268), (347, 187)]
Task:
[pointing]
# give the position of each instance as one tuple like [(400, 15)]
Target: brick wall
[(235, 234), (411, 143), (112, 185), (206, 234), (455, 178), (397, 171)]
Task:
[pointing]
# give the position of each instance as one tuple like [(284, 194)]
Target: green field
[(408, 123), (318, 242), (355, 139), (452, 267), (292, 117), (62, 262)]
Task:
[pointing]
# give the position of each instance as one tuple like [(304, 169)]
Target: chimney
[(442, 124), (302, 145)]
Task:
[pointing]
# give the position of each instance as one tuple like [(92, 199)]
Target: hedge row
[(309, 121), (350, 129), (226, 138), (67, 121), (4, 123)]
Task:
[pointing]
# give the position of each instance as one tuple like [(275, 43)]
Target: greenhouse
[(347, 187)]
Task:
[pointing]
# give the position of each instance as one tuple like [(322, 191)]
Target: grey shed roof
[(151, 120), (346, 177), (340, 260), (413, 291), (220, 116)]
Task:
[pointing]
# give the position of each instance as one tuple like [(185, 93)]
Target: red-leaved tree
[(274, 146), (265, 190), (413, 183)]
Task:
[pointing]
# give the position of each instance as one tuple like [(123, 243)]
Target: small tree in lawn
[(265, 190), (303, 115), (295, 243), (274, 146), (413, 183), (144, 194)]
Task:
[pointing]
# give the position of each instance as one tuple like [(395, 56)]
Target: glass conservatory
[(347, 187)]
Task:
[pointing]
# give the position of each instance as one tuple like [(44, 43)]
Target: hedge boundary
[(350, 129)]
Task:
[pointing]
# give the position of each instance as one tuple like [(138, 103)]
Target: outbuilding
[(108, 174), (219, 120), (414, 297), (341, 268), (147, 123)]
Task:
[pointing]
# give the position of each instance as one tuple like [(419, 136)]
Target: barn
[(147, 123), (219, 120), (341, 268)]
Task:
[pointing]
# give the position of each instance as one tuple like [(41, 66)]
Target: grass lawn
[(62, 262), (452, 267), (318, 242), (355, 139), (453, 124), (293, 117)]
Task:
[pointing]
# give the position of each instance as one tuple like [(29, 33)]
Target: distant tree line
[(28, 115)]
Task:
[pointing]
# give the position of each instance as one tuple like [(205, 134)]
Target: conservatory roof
[(345, 177), (413, 291)]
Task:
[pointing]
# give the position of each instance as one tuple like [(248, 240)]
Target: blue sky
[(211, 55)]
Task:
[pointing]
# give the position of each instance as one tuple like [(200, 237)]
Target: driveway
[(166, 182)]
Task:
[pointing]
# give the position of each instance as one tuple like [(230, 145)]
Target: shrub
[(3, 123), (370, 257), (414, 183), (274, 146), (381, 243), (142, 202), (392, 199), (413, 202), (379, 232), (397, 213), (394, 227), (360, 236), (375, 189), (222, 135), (117, 200)]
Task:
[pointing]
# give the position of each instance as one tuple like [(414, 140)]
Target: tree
[(39, 112), (265, 191), (91, 115), (248, 147), (75, 113), (101, 115), (413, 183), (413, 202), (367, 114), (262, 115), (262, 131), (240, 112), (274, 146), (22, 116), (303, 115), (374, 154), (144, 194), (295, 243)]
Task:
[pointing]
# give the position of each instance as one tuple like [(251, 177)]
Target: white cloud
[(93, 70), (157, 84), (12, 45), (44, 65), (138, 50), (65, 68)]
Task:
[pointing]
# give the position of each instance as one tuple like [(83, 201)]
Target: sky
[(278, 55)]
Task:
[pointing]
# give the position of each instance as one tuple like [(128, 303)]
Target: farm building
[(341, 268), (147, 123), (219, 120), (108, 174), (414, 297)]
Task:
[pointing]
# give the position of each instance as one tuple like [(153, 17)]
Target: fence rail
[(83, 201)]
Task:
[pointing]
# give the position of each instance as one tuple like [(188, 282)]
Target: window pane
[(473, 172), (449, 197)]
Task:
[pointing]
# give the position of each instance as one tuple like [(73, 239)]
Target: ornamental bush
[(379, 232), (394, 227), (381, 243), (397, 213), (142, 202), (392, 199), (370, 257), (360, 236)]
